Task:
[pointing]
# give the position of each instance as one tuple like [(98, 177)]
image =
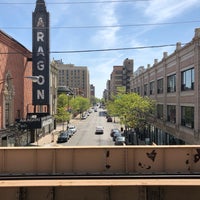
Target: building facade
[(121, 76), (106, 92), (53, 88), (21, 122), (92, 90), (128, 65), (174, 83), (15, 90), (74, 77), (116, 79)]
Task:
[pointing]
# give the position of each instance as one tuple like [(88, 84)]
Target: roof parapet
[(197, 33), (178, 46), (165, 54), (155, 61)]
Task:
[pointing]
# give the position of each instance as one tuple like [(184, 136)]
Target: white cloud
[(58, 14), (101, 64), (106, 16), (158, 10)]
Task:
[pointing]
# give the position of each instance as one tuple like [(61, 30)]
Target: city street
[(85, 135)]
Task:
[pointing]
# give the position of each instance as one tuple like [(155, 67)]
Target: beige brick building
[(75, 77), (116, 79), (174, 83)]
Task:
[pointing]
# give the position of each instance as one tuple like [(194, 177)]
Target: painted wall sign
[(40, 54)]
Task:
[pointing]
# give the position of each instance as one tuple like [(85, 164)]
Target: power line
[(78, 2), (109, 26), (127, 25), (115, 49), (103, 50)]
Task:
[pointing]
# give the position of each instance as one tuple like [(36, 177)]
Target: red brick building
[(15, 89)]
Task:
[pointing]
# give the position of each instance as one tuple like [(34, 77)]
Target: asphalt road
[(85, 135)]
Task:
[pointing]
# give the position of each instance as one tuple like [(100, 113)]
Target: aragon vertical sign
[(40, 54)]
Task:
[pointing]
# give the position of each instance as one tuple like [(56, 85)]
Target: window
[(187, 80), (160, 86), (151, 91), (160, 111), (171, 83), (145, 89), (187, 116), (171, 113)]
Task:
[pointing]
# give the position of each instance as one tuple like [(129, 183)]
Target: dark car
[(109, 119), (114, 130), (116, 134), (63, 137), (84, 116)]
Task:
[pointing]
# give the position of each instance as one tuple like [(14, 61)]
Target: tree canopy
[(132, 109), (79, 104), (62, 108)]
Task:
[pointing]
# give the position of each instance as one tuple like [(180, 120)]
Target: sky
[(111, 30)]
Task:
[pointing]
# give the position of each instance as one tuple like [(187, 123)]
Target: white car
[(120, 140), (99, 130), (72, 128)]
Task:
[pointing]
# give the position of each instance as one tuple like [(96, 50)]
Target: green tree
[(79, 104), (93, 100), (62, 114), (132, 109), (62, 100)]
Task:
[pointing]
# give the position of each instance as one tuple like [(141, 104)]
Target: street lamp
[(33, 78)]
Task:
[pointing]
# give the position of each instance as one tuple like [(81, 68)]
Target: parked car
[(116, 134), (109, 119), (114, 130), (99, 130), (72, 128), (120, 140), (84, 116), (63, 137), (90, 111), (70, 132)]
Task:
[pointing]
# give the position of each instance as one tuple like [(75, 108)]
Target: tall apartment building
[(174, 83), (92, 90), (120, 76), (127, 73), (116, 79), (106, 92), (74, 77)]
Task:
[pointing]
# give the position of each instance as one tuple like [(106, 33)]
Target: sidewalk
[(51, 138)]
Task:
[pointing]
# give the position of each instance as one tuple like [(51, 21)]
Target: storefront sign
[(36, 123)]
